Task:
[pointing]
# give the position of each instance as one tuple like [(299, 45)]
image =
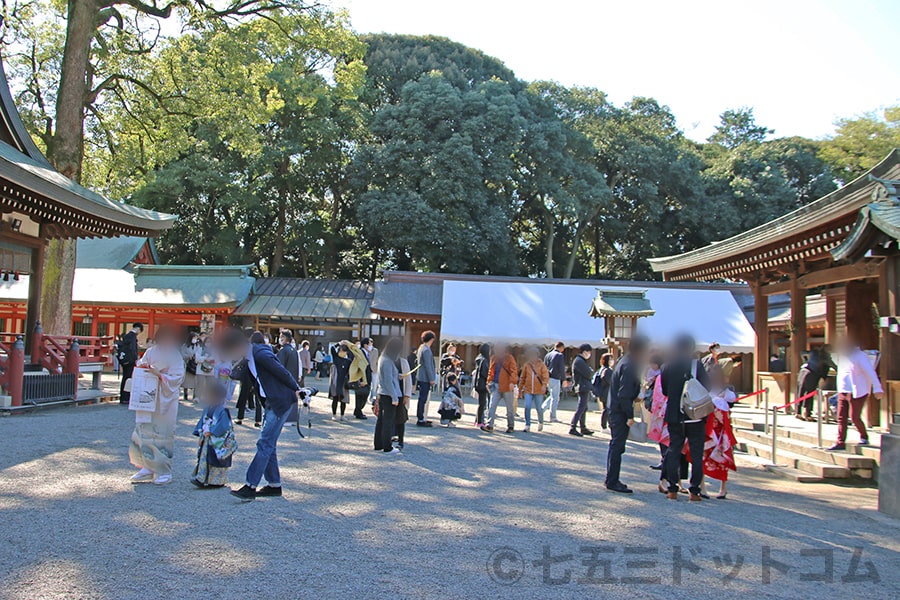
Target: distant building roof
[(152, 286), (408, 300), (816, 311), (299, 299), (111, 253)]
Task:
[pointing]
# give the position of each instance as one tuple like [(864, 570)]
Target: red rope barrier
[(798, 400), (751, 395)]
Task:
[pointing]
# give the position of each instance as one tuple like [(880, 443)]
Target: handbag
[(696, 401), (240, 371)]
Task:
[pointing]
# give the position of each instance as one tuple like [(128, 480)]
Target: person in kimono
[(718, 451), (153, 439), (215, 438), (451, 407)]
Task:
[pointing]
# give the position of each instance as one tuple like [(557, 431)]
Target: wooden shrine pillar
[(798, 328), (761, 324), (889, 305), (35, 285)]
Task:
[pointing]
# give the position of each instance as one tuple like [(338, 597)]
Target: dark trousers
[(248, 395), (335, 403), (580, 417), (362, 398), (683, 465), (618, 429), (384, 426), (482, 404), (695, 434), (424, 391), (127, 372), (850, 409)]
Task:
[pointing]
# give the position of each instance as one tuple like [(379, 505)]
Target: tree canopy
[(284, 140)]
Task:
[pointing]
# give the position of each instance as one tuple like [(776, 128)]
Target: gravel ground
[(459, 514)]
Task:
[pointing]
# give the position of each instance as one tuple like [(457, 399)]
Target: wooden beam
[(771, 289), (863, 269)]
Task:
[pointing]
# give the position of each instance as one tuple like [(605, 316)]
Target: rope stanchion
[(775, 410)]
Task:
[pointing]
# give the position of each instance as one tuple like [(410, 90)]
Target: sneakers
[(142, 476), (163, 480), (510, 430), (837, 447), (394, 451), (621, 488), (245, 493), (527, 429), (575, 432), (334, 417), (445, 423), (270, 491), (487, 428), (864, 442)]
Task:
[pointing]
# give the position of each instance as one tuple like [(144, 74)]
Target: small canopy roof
[(542, 313), (621, 303)]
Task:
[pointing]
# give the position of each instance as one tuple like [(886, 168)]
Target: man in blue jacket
[(625, 390), (280, 391)]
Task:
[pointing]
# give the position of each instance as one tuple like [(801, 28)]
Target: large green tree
[(861, 143), (70, 77)]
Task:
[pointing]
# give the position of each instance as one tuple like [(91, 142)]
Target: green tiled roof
[(618, 303)]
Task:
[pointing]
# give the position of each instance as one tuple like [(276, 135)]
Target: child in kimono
[(451, 408), (215, 434), (718, 451)]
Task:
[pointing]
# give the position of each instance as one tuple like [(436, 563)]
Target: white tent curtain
[(519, 313)]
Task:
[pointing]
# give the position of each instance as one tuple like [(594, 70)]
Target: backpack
[(696, 401), (597, 383)]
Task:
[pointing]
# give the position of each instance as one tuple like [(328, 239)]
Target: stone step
[(870, 451), (844, 459), (800, 462), (794, 474)]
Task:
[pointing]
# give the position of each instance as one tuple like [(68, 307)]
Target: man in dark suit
[(279, 391), (288, 355), (675, 374), (625, 390), (128, 356)]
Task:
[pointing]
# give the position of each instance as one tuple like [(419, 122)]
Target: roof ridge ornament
[(887, 190)]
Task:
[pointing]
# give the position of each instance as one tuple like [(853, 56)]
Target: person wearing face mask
[(583, 374), (338, 385), (625, 391), (363, 391)]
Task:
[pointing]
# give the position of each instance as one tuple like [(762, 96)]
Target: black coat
[(128, 348), (278, 385), (291, 360), (674, 375), (625, 387)]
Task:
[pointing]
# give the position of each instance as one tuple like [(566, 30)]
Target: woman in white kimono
[(153, 440)]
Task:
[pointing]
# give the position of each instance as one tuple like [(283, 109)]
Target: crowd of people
[(683, 400)]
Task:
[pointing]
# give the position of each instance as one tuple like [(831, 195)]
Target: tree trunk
[(66, 153), (550, 240), (278, 245)]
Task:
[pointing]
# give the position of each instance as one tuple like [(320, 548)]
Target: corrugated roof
[(841, 203), (108, 253), (152, 285), (402, 298), (289, 298)]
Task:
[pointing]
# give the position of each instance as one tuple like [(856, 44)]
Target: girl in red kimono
[(718, 452)]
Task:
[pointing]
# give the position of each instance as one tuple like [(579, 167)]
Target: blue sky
[(800, 64)]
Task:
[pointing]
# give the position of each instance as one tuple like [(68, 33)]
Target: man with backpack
[(674, 377), (556, 364)]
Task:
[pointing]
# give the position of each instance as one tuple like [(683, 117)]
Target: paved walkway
[(460, 514)]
